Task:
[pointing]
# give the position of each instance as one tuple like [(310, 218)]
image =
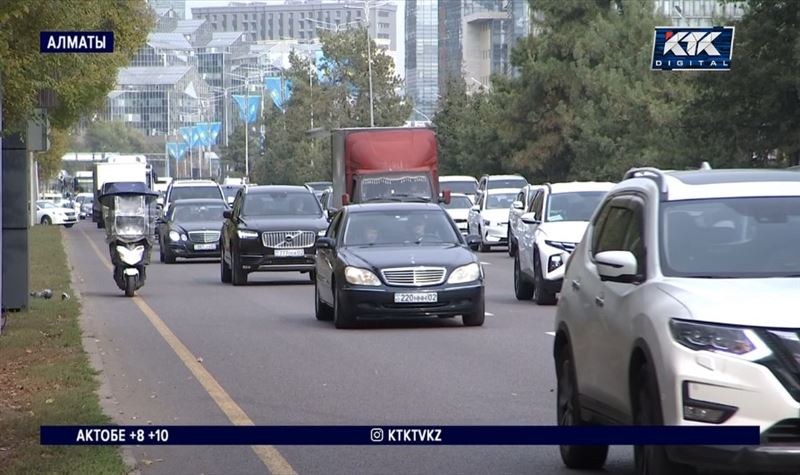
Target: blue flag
[(279, 90), (196, 136), (319, 65), (187, 135), (250, 111), (202, 133), (213, 131), (172, 150), (182, 147)]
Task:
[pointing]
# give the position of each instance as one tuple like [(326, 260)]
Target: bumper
[(271, 263), (758, 459), (755, 397), (188, 250), (379, 302), (64, 219), (495, 235)]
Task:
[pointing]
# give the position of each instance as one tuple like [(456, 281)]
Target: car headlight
[(741, 342), (358, 276), (467, 273), (174, 236), (245, 234), (321, 232), (554, 262), (184, 237)]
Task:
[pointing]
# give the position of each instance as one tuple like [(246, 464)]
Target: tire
[(476, 318), (312, 275), (511, 247), (342, 318), (99, 225), (69, 225), (224, 268), (46, 220), (540, 295), (523, 289), (130, 285), (323, 311), (568, 412), (161, 257), (652, 459), (483, 247), (238, 275), (169, 257)]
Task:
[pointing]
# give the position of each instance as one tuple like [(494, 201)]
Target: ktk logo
[(697, 42)]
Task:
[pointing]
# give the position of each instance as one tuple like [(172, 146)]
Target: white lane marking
[(550, 333)]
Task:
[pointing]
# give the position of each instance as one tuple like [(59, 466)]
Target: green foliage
[(743, 117), (233, 156), (50, 161), (291, 155), (80, 81), (115, 137), (585, 104)]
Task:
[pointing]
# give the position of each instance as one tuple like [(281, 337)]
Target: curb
[(106, 398)]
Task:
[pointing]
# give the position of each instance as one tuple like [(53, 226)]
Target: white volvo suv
[(559, 214), (679, 307)]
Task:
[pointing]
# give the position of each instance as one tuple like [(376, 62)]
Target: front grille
[(414, 276), (785, 432), (564, 246), (288, 239), (785, 359), (204, 237), (460, 220)]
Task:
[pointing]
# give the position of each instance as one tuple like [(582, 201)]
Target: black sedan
[(382, 260), (270, 228), (191, 228)]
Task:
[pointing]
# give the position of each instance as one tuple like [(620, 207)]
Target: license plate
[(205, 247), (289, 252), (416, 297)]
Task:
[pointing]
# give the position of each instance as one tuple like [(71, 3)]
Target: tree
[(751, 115), (114, 137), (233, 155), (80, 81), (340, 99), (467, 134), (585, 104), (50, 161)]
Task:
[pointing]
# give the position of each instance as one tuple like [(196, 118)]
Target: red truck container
[(396, 163)]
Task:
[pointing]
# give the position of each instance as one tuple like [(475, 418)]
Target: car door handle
[(599, 301), (576, 285)]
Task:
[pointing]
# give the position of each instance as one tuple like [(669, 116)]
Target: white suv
[(192, 189), (680, 308), (559, 214)]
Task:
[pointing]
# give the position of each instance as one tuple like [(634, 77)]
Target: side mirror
[(530, 218), (447, 196), (345, 199), (616, 266), (324, 242), (227, 214), (517, 205), (476, 208)]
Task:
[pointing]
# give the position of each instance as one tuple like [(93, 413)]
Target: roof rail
[(649, 172)]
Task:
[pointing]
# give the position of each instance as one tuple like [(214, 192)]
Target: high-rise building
[(161, 6), (422, 57), (698, 12), (301, 20)]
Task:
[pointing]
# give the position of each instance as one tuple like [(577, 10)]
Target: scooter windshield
[(130, 216)]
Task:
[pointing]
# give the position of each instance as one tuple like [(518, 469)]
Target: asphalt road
[(275, 364)]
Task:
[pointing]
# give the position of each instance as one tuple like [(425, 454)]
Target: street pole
[(246, 129), (226, 116), (166, 140), (369, 65)]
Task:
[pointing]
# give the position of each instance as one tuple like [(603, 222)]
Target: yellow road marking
[(268, 454)]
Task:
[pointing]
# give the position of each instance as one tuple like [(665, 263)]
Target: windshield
[(500, 200), (129, 206), (193, 213), (194, 192), (399, 228), (229, 191), (573, 206), (281, 203), (400, 186), (322, 186), (507, 183), (466, 187), (731, 237), (459, 202), (45, 204)]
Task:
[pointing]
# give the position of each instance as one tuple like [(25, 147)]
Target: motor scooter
[(129, 213)]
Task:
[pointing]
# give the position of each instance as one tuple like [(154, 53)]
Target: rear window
[(195, 192)]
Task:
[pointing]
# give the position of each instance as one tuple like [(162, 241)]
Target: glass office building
[(422, 56)]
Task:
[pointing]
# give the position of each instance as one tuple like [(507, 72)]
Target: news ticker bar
[(399, 435)]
